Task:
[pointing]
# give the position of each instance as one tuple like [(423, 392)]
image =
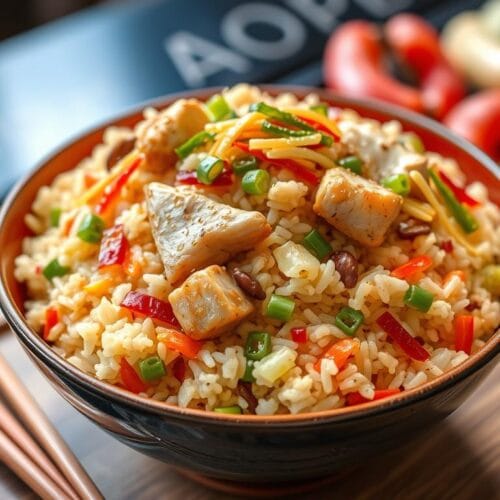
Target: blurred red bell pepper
[(114, 247), (51, 320), (355, 398), (150, 306), (130, 378)]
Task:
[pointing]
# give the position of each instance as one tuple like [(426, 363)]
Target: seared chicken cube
[(209, 303), (192, 231), (357, 207), (160, 135)]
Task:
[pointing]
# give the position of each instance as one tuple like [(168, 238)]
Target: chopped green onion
[(248, 375), (258, 345), (317, 245), (230, 410), (209, 169), (320, 108), (219, 108), (413, 142), (280, 131), (53, 269), (418, 298), (352, 163), (285, 117), (152, 368), (349, 320), (194, 142), (55, 216), (256, 182), (461, 214), (243, 165), (91, 228), (280, 307), (397, 183)]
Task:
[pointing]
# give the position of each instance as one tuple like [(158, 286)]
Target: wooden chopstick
[(16, 432), (26, 470), (36, 421)]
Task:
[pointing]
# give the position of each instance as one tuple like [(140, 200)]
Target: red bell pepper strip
[(114, 247), (51, 320), (130, 378), (464, 333), (179, 342), (298, 170), (355, 398), (299, 335), (179, 369), (397, 332), (447, 246), (413, 267), (150, 306), (339, 352), (190, 179), (476, 118), (415, 43), (112, 191), (459, 192)]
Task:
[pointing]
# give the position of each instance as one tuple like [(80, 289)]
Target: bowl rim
[(43, 352)]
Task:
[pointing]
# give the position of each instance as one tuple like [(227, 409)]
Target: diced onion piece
[(295, 261), (275, 365)]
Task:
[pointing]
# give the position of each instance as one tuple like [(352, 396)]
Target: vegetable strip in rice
[(289, 241)]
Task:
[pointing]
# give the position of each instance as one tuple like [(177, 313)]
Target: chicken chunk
[(192, 231), (357, 207), (160, 135), (209, 303)]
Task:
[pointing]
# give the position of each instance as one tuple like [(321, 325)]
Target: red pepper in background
[(397, 332), (477, 119), (464, 333), (112, 191), (179, 342), (150, 306), (299, 335), (355, 398), (416, 44), (51, 320), (179, 369), (354, 64), (130, 378), (447, 246), (300, 172), (412, 268), (190, 179), (114, 247), (459, 192)]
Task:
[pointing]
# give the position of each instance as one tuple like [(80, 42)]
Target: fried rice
[(92, 329)]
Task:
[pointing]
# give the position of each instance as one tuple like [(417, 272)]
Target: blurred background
[(66, 65)]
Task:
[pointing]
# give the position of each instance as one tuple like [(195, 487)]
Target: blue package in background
[(68, 75)]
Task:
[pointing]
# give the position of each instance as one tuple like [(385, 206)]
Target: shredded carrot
[(339, 352), (447, 278)]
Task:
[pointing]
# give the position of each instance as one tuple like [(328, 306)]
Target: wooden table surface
[(459, 461)]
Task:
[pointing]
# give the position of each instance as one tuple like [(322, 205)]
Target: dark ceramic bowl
[(231, 447)]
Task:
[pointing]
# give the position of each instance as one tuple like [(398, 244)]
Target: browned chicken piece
[(192, 231), (160, 135), (209, 303), (357, 207)]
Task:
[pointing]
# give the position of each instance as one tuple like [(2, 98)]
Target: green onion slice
[(280, 307), (152, 368), (256, 182), (243, 165), (317, 245), (229, 410), (91, 228), (248, 375), (194, 142), (53, 269), (418, 298), (320, 108), (55, 216), (219, 108), (349, 320), (209, 169), (398, 183), (352, 163), (258, 345)]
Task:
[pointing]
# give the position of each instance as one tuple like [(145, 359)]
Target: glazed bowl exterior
[(245, 447)]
